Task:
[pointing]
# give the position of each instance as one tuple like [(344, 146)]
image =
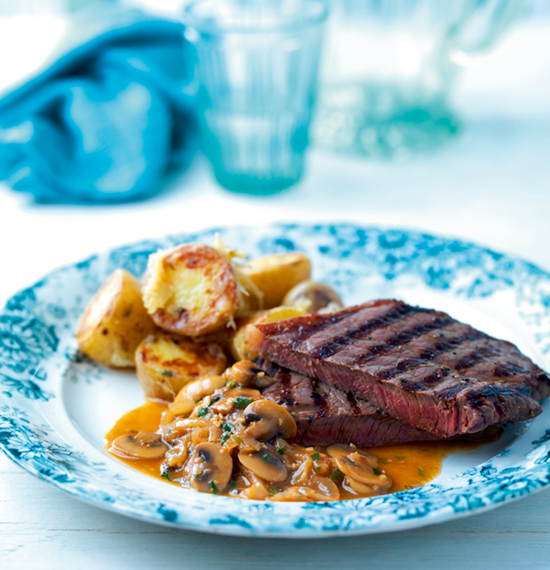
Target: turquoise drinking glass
[(390, 66), (257, 64)]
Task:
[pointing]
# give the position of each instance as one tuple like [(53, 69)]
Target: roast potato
[(191, 290), (114, 322), (313, 297), (275, 275), (165, 364), (251, 298), (239, 345)]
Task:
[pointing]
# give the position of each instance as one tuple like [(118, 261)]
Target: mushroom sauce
[(221, 436)]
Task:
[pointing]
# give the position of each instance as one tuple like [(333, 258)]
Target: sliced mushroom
[(263, 380), (358, 488), (360, 468), (265, 465), (210, 468), (246, 373), (267, 420), (359, 465), (323, 489), (243, 372), (198, 389), (184, 426), (291, 494), (143, 445), (337, 449)]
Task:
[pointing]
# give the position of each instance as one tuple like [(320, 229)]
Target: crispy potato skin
[(114, 322), (240, 345), (276, 274), (165, 364), (191, 290)]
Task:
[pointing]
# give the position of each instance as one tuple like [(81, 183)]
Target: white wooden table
[(490, 186)]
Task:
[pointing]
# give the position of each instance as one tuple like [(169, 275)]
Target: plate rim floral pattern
[(38, 351)]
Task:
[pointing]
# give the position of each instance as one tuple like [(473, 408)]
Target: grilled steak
[(326, 415), (421, 366)]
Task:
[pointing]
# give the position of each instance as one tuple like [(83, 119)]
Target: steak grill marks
[(455, 380), (473, 358), (403, 338), (310, 329), (336, 344)]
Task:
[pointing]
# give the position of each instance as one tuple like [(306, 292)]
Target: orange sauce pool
[(144, 418), (408, 465)]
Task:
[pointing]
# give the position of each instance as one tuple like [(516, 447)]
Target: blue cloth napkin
[(107, 120)]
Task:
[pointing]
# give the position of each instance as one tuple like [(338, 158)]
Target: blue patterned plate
[(56, 405)]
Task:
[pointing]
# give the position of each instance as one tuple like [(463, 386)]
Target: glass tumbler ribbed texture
[(257, 62)]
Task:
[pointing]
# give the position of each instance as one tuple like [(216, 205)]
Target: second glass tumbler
[(258, 62)]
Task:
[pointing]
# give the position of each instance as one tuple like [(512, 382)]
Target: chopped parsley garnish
[(167, 373), (316, 469), (166, 475), (273, 491), (299, 495), (265, 457), (213, 487), (226, 427), (232, 483), (134, 431), (315, 456), (225, 437), (231, 384), (385, 461), (336, 475), (281, 451), (197, 401), (202, 412), (421, 471), (400, 457), (241, 403), (377, 472), (170, 266), (238, 439)]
